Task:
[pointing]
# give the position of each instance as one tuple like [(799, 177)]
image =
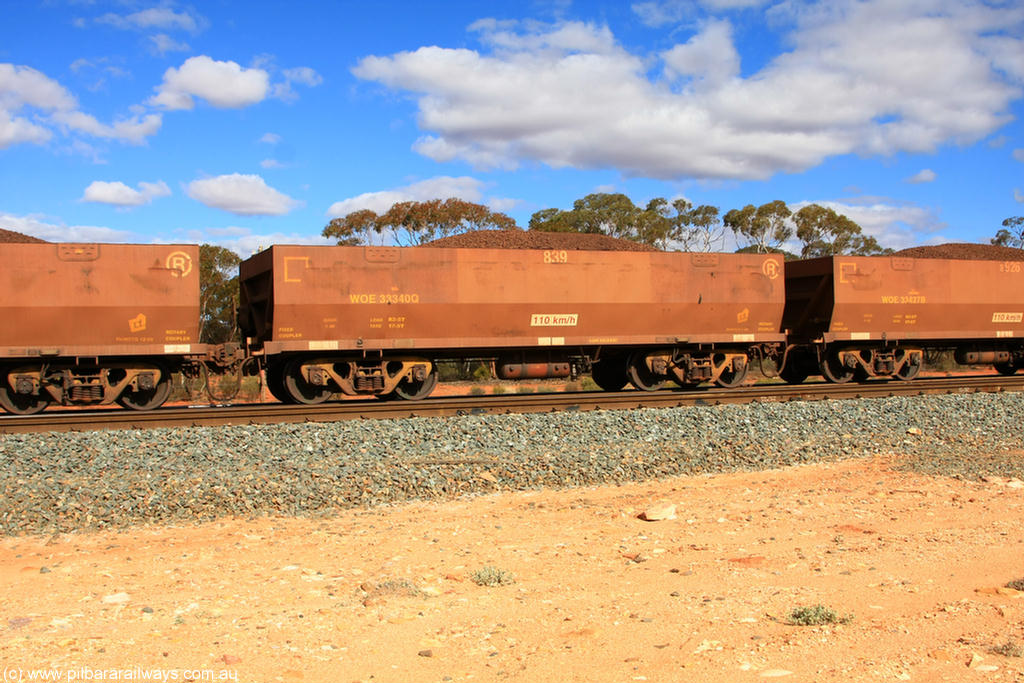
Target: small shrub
[(587, 383), (817, 615), (497, 389), (477, 391), (1016, 584), (573, 386), (482, 373), (1008, 649), (492, 576), (525, 389)]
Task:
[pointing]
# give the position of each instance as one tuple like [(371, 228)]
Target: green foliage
[(764, 227), (492, 576), (482, 373), (817, 615), (218, 294), (477, 391), (497, 389), (827, 233), (664, 225), (1016, 584), (1012, 234), (1008, 649), (408, 223)]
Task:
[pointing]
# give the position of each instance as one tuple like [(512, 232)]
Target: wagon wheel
[(275, 383), (794, 372), (730, 377), (833, 370), (640, 376), (21, 404), (908, 371), (413, 390), (299, 390), (1007, 368), (610, 374), (148, 399)]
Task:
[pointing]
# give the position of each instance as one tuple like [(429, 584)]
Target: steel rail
[(270, 413)]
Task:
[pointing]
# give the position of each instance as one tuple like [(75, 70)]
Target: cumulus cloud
[(50, 106), (441, 187), (162, 43), (40, 226), (570, 95), (245, 195), (925, 175), (1018, 154), (270, 138), (302, 75), (118, 194), (162, 18), (894, 225), (225, 85)]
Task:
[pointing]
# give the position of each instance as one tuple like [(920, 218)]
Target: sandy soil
[(914, 565)]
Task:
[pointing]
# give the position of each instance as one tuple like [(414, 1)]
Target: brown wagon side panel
[(890, 298), (98, 300), (356, 298)]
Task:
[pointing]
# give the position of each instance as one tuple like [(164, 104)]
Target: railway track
[(269, 413)]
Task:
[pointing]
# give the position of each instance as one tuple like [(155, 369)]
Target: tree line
[(677, 225)]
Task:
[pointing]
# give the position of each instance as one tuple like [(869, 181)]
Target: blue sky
[(249, 124)]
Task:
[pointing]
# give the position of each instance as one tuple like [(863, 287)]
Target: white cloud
[(442, 187), (894, 225), (134, 130), (246, 195), (1018, 154), (39, 226), (925, 175), (302, 75), (245, 242), (661, 12), (163, 43), (118, 194), (162, 18), (225, 85), (22, 87), (270, 138), (569, 95), (271, 163), (709, 57)]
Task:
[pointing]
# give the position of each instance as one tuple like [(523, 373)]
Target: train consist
[(95, 324)]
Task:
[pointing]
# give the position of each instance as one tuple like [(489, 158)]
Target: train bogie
[(90, 324), (373, 320)]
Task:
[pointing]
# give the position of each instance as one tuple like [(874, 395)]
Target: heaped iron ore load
[(95, 323), (376, 320), (858, 317)]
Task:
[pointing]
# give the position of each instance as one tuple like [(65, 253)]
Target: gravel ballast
[(61, 482)]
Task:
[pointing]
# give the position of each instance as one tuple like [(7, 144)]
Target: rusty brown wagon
[(90, 324), (377, 320), (853, 317)]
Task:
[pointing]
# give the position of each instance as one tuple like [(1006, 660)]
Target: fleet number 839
[(556, 256)]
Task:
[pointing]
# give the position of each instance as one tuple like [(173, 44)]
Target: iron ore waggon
[(89, 324), (376, 320), (856, 317)]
